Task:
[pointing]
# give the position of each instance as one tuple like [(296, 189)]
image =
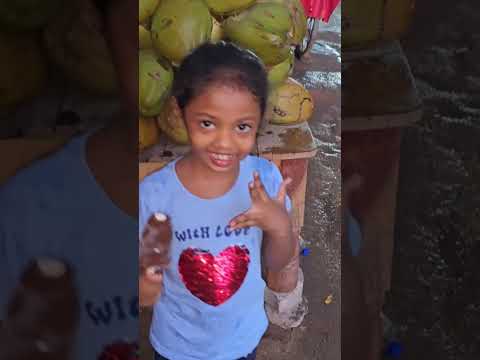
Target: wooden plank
[(288, 156), (298, 201), (378, 239), (388, 204), (377, 49), (277, 162), (378, 89), (358, 123)]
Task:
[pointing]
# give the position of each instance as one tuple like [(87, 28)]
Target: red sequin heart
[(214, 279)]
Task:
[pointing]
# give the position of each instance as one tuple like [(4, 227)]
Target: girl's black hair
[(221, 63)]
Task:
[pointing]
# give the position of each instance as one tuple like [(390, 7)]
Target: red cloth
[(320, 9)]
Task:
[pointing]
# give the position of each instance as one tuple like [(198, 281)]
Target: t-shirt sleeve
[(275, 180)]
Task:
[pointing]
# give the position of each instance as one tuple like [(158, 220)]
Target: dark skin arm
[(279, 250), (271, 215)]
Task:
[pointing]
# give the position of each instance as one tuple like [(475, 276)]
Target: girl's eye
[(244, 127), (206, 124)]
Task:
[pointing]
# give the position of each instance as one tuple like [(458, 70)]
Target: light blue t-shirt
[(56, 208), (189, 321)]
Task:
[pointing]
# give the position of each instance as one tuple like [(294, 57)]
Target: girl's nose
[(224, 140)]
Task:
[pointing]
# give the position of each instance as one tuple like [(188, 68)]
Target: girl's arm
[(280, 246), (271, 215)]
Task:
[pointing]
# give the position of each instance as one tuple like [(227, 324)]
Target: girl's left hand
[(267, 213)]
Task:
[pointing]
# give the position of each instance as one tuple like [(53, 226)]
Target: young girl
[(225, 206)]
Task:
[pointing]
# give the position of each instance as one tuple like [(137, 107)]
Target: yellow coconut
[(170, 121), (148, 132), (290, 103)]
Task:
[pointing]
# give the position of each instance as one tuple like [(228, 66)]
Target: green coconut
[(278, 74), (146, 8), (180, 26), (272, 17), (228, 7), (264, 29), (155, 82), (299, 19), (144, 38)]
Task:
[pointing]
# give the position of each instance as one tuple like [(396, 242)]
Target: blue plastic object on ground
[(305, 252), (394, 350)]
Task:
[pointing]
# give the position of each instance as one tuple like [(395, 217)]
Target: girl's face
[(222, 123)]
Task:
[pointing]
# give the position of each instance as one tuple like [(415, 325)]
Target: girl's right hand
[(150, 284)]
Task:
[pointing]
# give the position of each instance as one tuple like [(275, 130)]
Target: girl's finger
[(254, 195), (282, 192), (154, 274), (238, 219), (244, 224), (259, 187)]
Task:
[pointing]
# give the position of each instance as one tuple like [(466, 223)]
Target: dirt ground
[(319, 335), (435, 297)]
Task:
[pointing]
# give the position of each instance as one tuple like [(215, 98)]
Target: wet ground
[(435, 297)]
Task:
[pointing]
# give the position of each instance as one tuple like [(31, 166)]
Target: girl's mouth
[(221, 160)]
